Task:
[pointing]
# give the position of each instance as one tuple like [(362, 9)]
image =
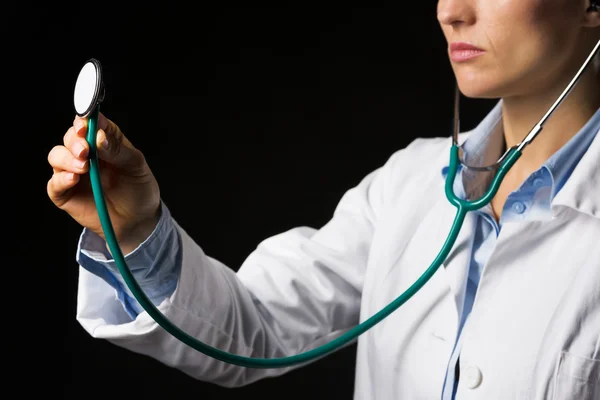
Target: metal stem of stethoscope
[(461, 205), (537, 128)]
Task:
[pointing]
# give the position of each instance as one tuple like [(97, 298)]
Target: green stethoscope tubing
[(462, 207)]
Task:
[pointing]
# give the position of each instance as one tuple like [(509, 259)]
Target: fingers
[(114, 147), (79, 123), (75, 141), (59, 185), (67, 173), (62, 159), (109, 127), (111, 144)]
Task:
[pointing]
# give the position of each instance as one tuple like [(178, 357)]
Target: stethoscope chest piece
[(89, 88)]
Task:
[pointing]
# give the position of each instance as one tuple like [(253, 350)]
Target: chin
[(479, 90), (479, 86)]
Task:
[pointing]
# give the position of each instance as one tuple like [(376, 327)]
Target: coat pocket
[(576, 378)]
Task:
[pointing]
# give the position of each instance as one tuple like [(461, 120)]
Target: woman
[(513, 313)]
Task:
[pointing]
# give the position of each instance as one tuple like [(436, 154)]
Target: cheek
[(527, 41), (510, 26), (522, 41), (521, 31)]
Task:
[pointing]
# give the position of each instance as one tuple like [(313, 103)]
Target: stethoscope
[(89, 93)]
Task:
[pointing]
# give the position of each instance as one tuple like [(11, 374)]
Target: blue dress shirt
[(531, 201), (157, 261)]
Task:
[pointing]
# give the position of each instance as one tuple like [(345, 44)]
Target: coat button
[(472, 377)]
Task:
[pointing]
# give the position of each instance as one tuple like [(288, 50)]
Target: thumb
[(113, 146)]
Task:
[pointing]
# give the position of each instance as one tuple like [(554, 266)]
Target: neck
[(520, 114)]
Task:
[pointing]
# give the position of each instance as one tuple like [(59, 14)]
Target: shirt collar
[(562, 163), (485, 144)]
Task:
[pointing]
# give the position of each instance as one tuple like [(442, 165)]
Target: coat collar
[(581, 192)]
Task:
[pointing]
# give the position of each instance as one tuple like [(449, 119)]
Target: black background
[(253, 120)]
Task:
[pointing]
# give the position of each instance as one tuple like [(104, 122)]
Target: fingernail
[(79, 163), (78, 149), (105, 143)]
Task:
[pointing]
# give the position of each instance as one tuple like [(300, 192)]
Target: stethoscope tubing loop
[(249, 362)]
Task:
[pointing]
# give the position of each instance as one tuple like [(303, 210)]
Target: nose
[(455, 12)]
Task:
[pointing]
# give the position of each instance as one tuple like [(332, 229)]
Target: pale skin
[(533, 48), (131, 191)]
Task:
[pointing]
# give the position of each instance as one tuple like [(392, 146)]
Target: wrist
[(133, 237)]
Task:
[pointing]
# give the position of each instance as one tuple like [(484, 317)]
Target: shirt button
[(518, 207), (537, 182), (472, 377)]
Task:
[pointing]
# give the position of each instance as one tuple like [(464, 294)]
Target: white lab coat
[(534, 331)]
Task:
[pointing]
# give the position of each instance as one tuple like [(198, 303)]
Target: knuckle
[(113, 129), (114, 132), (139, 156), (68, 135), (119, 138), (53, 153), (115, 143), (51, 187), (117, 148)]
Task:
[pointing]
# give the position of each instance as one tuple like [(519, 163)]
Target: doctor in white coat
[(514, 311)]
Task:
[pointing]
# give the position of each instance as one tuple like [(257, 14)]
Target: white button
[(472, 377), (518, 207)]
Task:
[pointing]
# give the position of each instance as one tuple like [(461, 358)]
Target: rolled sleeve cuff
[(155, 263)]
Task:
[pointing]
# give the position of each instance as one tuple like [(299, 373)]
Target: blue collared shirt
[(531, 201), (156, 262)]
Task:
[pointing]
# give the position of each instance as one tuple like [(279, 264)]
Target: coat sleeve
[(297, 290)]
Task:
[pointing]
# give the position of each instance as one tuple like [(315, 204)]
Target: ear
[(591, 19)]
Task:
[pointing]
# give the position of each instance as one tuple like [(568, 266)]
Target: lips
[(460, 46), (460, 51)]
